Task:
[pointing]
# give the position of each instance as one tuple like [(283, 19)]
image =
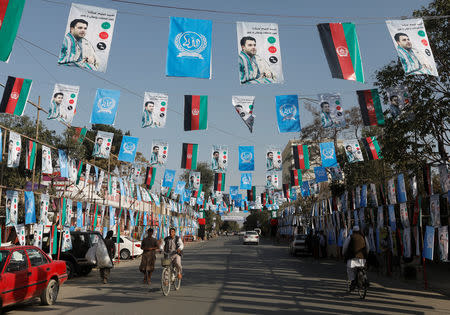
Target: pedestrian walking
[(149, 245), (104, 258)]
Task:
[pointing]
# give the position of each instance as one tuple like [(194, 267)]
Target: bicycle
[(169, 276), (361, 282)]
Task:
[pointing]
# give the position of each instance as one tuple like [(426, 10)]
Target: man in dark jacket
[(355, 250), (111, 248)]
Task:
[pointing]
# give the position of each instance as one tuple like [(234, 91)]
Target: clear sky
[(138, 58)]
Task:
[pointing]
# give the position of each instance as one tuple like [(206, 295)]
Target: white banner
[(64, 103), (14, 148), (413, 48), (88, 37), (159, 153), (47, 167), (259, 53), (244, 106), (273, 159), (102, 145), (219, 158), (154, 111), (331, 111)]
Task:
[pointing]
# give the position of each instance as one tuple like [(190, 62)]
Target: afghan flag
[(54, 240), (286, 191), (94, 221), (296, 178), (196, 192), (15, 95), (341, 47), (372, 148), (219, 181), (31, 155), (150, 175), (189, 156), (263, 199), (10, 15), (79, 169), (371, 111), (301, 156), (428, 184), (251, 194), (80, 134), (195, 112)]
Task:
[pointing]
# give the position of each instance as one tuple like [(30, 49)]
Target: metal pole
[(37, 138)]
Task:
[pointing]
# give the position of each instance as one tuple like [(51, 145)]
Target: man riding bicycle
[(173, 249), (355, 250)]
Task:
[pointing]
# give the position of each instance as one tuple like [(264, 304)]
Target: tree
[(229, 226), (258, 219), (421, 133)]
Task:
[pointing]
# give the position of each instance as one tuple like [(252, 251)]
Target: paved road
[(224, 277)]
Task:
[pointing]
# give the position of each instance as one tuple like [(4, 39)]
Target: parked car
[(27, 272), (75, 258), (298, 245), (251, 237), (128, 247)]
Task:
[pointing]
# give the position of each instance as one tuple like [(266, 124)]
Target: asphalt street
[(222, 276)]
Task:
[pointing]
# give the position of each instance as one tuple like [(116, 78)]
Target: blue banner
[(112, 220), (138, 193), (401, 190), (128, 149), (305, 189), (179, 189), (246, 158), (30, 209), (169, 178), (79, 214), (392, 223), (144, 222), (321, 174), (293, 194), (105, 107), (63, 167), (132, 222), (428, 245), (122, 188), (363, 200), (328, 154), (186, 195), (189, 49), (246, 181), (234, 190), (288, 113)]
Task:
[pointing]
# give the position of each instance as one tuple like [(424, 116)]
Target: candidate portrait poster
[(88, 37), (219, 158), (412, 45), (158, 157), (398, 98), (331, 111), (103, 144), (273, 159), (154, 111), (244, 106), (353, 151), (259, 53), (63, 104), (14, 149)]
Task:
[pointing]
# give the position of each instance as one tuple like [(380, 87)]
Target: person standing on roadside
[(149, 245), (111, 250)]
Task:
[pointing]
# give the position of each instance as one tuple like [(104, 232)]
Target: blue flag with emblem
[(63, 167), (328, 154), (321, 174), (169, 178), (128, 149), (79, 214), (179, 189), (363, 199), (401, 190), (30, 209), (288, 116), (186, 195), (246, 181), (246, 158), (105, 107), (428, 245), (304, 188), (112, 213), (189, 49), (234, 190)]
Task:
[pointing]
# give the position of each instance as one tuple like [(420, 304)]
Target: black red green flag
[(219, 181), (370, 104), (195, 112), (296, 178), (263, 199), (15, 96), (372, 148), (80, 134), (10, 15), (286, 191), (301, 156), (31, 155), (150, 175), (189, 156), (251, 194), (341, 47)]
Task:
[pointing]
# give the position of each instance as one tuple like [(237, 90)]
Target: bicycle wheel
[(362, 289), (177, 282), (165, 281)]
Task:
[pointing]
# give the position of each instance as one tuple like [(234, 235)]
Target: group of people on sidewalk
[(172, 246)]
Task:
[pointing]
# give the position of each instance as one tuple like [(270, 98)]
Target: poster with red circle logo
[(331, 110), (63, 103), (154, 111)]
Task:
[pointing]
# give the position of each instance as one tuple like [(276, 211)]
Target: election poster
[(63, 105), (103, 144), (158, 156), (244, 106), (331, 111), (219, 158), (154, 112), (259, 53)]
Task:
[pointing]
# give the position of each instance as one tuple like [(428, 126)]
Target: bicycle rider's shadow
[(154, 290)]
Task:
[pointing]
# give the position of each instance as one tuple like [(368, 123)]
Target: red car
[(27, 272)]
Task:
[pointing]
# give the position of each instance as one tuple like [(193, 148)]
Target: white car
[(251, 237), (128, 247), (298, 244)]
